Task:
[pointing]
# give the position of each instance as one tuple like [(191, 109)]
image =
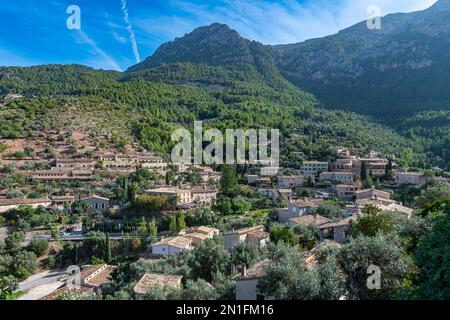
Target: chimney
[(243, 270)]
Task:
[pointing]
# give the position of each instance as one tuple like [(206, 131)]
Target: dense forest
[(144, 107)]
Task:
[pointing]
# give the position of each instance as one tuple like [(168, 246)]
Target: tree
[(368, 183), (244, 253), (389, 172), (95, 244), (181, 222), (38, 246), (363, 173), (143, 230), (173, 227), (287, 277), (24, 264), (8, 284), (54, 233), (330, 209), (107, 249), (306, 234), (208, 259), (435, 191), (228, 183), (198, 290), (311, 182), (281, 233), (14, 241), (372, 222), (240, 205), (382, 251), (432, 257), (223, 205), (283, 201), (154, 229)]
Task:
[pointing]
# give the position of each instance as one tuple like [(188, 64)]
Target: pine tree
[(368, 183), (153, 229), (181, 222), (108, 249), (389, 174), (363, 171), (142, 230), (228, 182), (173, 227)]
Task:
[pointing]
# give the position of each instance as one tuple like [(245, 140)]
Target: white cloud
[(284, 21), (131, 31)]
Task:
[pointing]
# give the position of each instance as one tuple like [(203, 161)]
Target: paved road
[(42, 291), (40, 279), (80, 237)]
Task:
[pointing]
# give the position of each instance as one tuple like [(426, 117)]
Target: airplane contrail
[(130, 30), (99, 51)]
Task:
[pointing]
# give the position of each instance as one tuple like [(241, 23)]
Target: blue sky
[(115, 34)]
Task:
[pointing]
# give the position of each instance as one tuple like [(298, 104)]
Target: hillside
[(390, 73), (126, 110), (214, 75)]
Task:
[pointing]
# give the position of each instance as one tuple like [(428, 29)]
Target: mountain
[(391, 73), (396, 71), (215, 75), (216, 44)]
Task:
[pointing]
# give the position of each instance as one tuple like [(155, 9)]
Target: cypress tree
[(108, 249)]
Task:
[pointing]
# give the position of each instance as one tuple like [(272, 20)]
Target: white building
[(172, 246), (346, 191), (97, 203), (342, 177), (247, 282), (286, 182), (313, 168), (417, 179), (8, 204), (255, 235)]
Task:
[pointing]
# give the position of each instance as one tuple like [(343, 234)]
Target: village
[(163, 209)]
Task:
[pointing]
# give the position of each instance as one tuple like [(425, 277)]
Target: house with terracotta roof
[(247, 282), (150, 280), (313, 168), (97, 203), (172, 246), (84, 163), (298, 207), (97, 277), (309, 219), (346, 192), (62, 202), (8, 204), (340, 177), (416, 179), (371, 194), (287, 182), (337, 231), (255, 235), (209, 231), (203, 195)]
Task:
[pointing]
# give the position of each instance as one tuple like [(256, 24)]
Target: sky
[(115, 34)]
